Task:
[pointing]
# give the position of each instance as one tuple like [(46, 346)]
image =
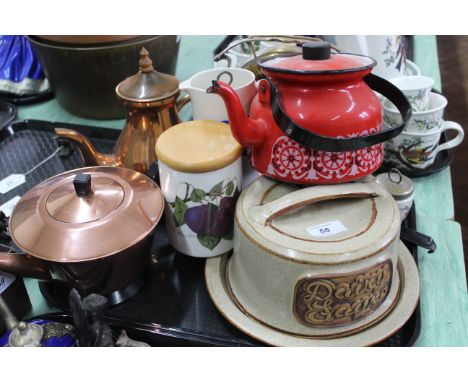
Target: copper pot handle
[(182, 101), (22, 264), (265, 213)]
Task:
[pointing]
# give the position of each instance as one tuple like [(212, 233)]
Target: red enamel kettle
[(316, 118)]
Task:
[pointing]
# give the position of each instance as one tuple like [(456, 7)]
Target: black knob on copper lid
[(82, 184), (316, 50)]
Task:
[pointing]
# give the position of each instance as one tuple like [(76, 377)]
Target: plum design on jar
[(209, 214)]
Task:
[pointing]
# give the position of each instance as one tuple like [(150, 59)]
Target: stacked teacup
[(418, 145)]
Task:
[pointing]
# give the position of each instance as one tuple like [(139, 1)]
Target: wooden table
[(444, 298)]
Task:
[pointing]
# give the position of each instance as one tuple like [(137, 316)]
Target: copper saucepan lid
[(86, 214)]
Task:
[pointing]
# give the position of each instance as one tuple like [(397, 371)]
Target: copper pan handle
[(24, 265)]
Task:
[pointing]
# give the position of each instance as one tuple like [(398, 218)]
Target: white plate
[(215, 272)]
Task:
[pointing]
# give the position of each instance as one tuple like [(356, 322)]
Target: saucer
[(215, 275)]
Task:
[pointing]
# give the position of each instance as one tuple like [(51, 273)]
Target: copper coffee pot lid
[(148, 85), (86, 214)]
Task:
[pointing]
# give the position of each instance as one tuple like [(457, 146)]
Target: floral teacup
[(420, 121), (416, 88), (419, 150)]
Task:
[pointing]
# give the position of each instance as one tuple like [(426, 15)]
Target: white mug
[(419, 150), (210, 106), (388, 51), (420, 121)]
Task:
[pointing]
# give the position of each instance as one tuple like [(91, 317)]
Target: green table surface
[(444, 298)]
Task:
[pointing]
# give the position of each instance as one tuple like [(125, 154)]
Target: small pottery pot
[(400, 187), (315, 261), (200, 170)]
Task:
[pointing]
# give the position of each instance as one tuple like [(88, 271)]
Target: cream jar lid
[(399, 185), (198, 146), (327, 225)]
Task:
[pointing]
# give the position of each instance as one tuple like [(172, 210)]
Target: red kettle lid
[(317, 58)]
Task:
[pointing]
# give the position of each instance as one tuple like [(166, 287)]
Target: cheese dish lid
[(198, 146), (329, 224)]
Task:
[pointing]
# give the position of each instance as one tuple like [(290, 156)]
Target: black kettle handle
[(314, 141)]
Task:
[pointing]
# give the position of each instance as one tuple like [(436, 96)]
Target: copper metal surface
[(148, 85), (24, 265), (150, 99), (63, 204), (52, 222), (104, 275)]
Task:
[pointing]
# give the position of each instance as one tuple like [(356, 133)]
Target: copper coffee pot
[(151, 103)]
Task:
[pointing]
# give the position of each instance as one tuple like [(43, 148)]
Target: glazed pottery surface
[(388, 51), (217, 281), (400, 187), (193, 200), (300, 254), (416, 88), (428, 120), (200, 169), (419, 150)]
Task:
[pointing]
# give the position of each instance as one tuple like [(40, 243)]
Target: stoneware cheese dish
[(219, 289), (314, 263)]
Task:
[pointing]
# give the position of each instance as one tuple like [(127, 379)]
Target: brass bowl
[(84, 77)]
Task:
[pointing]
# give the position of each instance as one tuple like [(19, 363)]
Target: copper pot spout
[(24, 265), (91, 156)]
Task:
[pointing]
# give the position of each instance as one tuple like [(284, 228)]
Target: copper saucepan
[(91, 228)]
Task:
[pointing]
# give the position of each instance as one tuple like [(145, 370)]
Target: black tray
[(23, 144), (28, 99), (173, 308), (7, 113)]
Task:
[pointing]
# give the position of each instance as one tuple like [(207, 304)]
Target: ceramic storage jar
[(318, 261), (200, 172)]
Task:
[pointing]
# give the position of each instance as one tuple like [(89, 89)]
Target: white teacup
[(420, 121), (416, 88), (210, 106), (419, 150)]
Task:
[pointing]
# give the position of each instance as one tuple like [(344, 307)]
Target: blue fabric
[(17, 60), (64, 341)]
